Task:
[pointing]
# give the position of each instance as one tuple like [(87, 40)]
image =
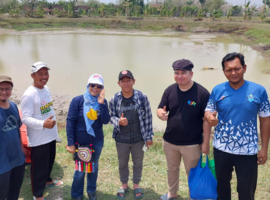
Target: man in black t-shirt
[(187, 134)]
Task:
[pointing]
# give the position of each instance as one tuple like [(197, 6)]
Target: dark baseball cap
[(182, 64), (125, 73), (5, 79)]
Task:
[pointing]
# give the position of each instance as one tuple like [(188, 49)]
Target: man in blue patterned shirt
[(132, 120), (238, 102)]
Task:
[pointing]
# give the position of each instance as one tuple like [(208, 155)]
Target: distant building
[(86, 8), (60, 8)]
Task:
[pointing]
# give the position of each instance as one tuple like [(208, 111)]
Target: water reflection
[(72, 57)]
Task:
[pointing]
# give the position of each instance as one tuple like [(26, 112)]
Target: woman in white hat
[(86, 116)]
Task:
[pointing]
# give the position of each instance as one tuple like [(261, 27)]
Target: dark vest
[(131, 133)]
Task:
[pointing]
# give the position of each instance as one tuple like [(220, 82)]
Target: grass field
[(154, 179)]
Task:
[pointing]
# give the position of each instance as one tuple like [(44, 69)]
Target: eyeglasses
[(93, 85), (5, 89)]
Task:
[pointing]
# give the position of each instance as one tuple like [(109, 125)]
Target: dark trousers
[(246, 169), (42, 162), (11, 182), (124, 150)]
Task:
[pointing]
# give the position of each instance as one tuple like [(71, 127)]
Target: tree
[(184, 11), (201, 13), (230, 12), (202, 2), (216, 13), (189, 2), (267, 2), (212, 5), (249, 10), (263, 12)]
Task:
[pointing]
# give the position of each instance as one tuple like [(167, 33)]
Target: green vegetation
[(154, 179), (128, 8)]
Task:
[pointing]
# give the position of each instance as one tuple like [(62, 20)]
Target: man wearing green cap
[(11, 149)]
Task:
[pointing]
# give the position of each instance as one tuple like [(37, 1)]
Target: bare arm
[(206, 137), (211, 118), (265, 134), (23, 150)]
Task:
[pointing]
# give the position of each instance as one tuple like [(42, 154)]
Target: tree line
[(170, 8)]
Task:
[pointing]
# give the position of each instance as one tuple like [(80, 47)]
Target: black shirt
[(186, 110), (131, 133)]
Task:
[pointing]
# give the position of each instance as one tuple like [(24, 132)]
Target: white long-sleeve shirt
[(37, 106)]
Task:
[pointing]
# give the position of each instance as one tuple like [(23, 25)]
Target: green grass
[(154, 179)]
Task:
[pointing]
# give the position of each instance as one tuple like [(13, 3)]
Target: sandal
[(123, 192), (166, 197), (54, 184), (137, 191)]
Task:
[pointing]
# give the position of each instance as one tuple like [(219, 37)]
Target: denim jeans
[(246, 169), (78, 178)]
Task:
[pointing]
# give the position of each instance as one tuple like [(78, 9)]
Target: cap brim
[(126, 76), (96, 82), (8, 81), (40, 69)]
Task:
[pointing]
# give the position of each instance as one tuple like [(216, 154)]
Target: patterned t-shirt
[(236, 132), (10, 140)]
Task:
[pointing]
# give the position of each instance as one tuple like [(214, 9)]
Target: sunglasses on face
[(95, 85)]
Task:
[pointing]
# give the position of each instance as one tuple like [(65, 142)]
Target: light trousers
[(191, 155)]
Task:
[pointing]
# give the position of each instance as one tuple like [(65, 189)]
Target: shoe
[(166, 197), (55, 184), (92, 196), (35, 198)]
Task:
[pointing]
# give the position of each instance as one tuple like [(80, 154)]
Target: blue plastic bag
[(202, 183)]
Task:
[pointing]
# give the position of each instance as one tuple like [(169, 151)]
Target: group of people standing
[(188, 108)]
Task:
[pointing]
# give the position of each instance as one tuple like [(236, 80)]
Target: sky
[(234, 2)]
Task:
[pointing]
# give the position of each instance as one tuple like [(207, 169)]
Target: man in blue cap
[(187, 134)]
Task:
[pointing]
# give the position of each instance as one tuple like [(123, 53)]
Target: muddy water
[(73, 56)]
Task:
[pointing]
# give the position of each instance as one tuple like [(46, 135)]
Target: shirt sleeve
[(114, 119), (148, 120), (164, 101), (204, 103), (104, 112), (264, 107), (27, 106), (211, 104), (72, 118)]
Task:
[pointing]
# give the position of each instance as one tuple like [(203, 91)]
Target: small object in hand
[(144, 148)]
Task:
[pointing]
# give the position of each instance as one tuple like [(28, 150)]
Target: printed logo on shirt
[(131, 107), (192, 103), (46, 107), (222, 98), (10, 124), (250, 98)]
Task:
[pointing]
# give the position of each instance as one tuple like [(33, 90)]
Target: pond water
[(73, 56)]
